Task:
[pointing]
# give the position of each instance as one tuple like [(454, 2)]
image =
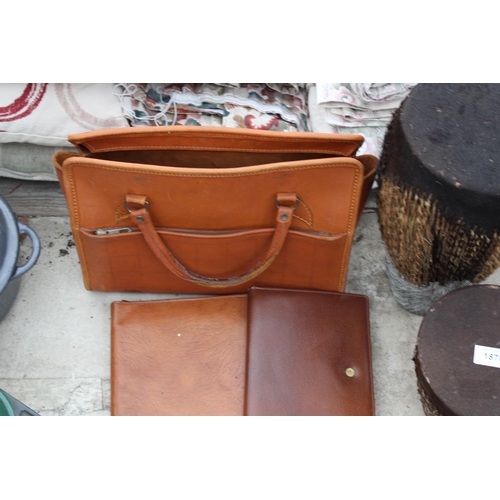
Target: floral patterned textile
[(335, 108), (259, 106), (356, 108)]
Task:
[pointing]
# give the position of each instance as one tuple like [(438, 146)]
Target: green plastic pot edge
[(5, 407)]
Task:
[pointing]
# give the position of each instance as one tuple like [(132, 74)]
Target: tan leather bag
[(213, 210)]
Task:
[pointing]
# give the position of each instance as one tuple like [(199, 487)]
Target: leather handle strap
[(285, 203)]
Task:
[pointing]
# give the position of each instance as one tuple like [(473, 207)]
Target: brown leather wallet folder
[(309, 353), (179, 356), (279, 352)]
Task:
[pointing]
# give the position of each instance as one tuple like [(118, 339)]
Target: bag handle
[(285, 203)]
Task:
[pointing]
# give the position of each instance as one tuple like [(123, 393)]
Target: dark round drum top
[(445, 140), (458, 352), (455, 130)]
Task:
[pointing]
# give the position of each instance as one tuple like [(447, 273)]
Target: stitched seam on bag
[(349, 234), (89, 146), (369, 350), (119, 214), (223, 135), (303, 220), (242, 150), (238, 174), (308, 210), (76, 230)]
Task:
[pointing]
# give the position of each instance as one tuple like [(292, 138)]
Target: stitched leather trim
[(350, 234)]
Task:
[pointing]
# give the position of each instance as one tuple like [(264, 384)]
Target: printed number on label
[(487, 356)]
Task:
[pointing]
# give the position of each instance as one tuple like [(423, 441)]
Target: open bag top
[(214, 139)]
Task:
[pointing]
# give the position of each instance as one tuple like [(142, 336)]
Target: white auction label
[(487, 356)]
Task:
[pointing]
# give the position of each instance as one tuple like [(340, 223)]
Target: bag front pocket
[(124, 262)]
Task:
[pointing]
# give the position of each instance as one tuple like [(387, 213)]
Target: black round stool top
[(445, 141), (458, 352)]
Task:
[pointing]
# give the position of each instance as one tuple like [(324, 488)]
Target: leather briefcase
[(269, 352), (213, 210)]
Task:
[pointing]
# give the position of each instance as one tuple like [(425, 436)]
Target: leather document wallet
[(269, 352), (309, 353), (179, 356)]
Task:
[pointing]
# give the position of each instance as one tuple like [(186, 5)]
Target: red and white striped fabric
[(46, 113)]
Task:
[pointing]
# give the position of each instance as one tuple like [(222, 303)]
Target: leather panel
[(124, 262), (178, 357), (227, 199), (300, 344), (214, 139)]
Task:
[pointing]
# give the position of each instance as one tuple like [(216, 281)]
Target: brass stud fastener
[(350, 372)]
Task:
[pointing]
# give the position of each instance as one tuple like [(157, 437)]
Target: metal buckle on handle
[(127, 208)]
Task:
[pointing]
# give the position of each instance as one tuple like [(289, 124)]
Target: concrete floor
[(55, 341)]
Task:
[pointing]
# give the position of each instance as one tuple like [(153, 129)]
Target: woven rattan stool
[(439, 196)]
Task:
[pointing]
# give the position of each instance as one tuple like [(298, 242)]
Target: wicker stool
[(457, 357), (439, 196)]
